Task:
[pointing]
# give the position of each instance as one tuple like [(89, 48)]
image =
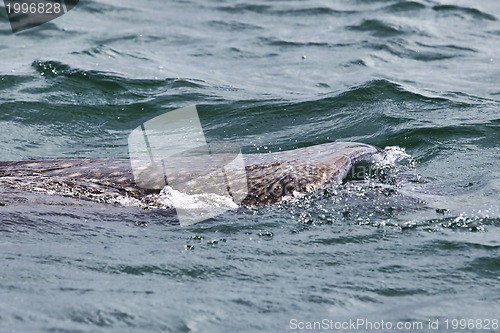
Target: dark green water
[(422, 244)]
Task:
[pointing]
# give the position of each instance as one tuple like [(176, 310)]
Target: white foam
[(294, 197), (393, 156), (196, 207), (126, 201)]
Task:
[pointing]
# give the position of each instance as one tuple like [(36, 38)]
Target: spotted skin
[(270, 176)]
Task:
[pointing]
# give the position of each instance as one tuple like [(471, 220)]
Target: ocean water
[(419, 246)]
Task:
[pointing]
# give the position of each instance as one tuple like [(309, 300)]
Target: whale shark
[(269, 176)]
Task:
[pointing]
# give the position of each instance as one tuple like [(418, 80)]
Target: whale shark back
[(270, 176)]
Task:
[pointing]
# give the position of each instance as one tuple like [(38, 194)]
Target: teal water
[(421, 244)]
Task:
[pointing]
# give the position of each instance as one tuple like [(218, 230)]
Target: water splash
[(196, 207), (393, 156)]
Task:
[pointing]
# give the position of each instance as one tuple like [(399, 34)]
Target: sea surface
[(419, 245)]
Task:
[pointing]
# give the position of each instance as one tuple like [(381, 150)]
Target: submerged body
[(269, 176)]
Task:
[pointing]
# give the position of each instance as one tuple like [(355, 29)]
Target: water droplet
[(266, 234)]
